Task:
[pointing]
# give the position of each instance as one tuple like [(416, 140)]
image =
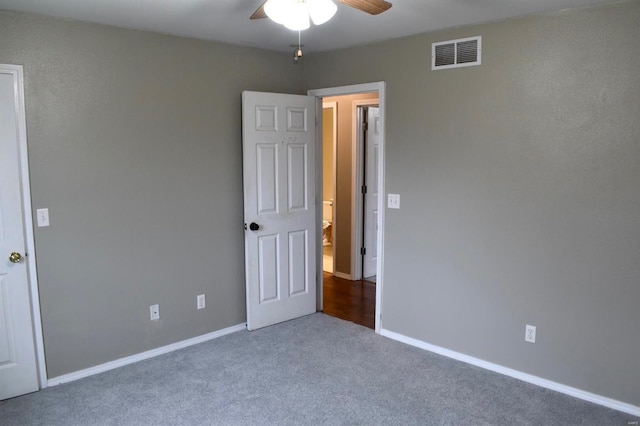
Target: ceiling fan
[(373, 7), (297, 14)]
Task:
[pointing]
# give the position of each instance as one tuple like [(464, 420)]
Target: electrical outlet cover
[(530, 333), (393, 201)]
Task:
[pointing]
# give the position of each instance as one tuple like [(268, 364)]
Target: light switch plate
[(43, 217), (393, 201)]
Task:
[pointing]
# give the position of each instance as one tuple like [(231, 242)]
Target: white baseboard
[(538, 381), (342, 275), (65, 378)]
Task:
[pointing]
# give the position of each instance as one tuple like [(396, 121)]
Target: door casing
[(380, 88)]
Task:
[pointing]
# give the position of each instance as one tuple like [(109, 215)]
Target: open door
[(372, 154), (279, 173), (18, 368)]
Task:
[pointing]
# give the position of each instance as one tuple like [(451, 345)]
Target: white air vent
[(464, 52)]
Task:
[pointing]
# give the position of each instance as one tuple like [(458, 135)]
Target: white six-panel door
[(18, 371), (370, 259), (279, 206)]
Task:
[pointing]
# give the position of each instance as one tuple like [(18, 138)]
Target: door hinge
[(363, 251), (365, 126), (364, 189)]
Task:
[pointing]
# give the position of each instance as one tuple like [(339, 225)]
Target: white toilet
[(327, 222)]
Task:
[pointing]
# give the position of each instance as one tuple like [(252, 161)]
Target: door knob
[(15, 257), (254, 226)]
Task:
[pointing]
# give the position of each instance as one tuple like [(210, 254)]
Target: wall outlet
[(200, 302), (393, 201), (154, 311), (530, 333)]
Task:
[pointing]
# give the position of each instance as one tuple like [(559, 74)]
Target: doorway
[(344, 188), (345, 282)]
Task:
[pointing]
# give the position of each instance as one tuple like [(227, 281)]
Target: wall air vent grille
[(464, 52)]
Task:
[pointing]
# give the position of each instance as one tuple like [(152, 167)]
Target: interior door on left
[(18, 370), (279, 206)]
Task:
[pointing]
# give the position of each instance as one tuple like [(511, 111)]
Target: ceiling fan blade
[(260, 13), (373, 7)]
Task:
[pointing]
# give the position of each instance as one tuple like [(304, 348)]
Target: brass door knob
[(15, 257)]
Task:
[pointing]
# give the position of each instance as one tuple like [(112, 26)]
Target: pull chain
[(298, 52)]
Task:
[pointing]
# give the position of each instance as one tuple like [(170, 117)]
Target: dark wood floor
[(353, 301)]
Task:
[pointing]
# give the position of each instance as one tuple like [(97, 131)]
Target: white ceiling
[(228, 20)]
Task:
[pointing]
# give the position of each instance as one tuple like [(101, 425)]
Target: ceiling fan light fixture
[(321, 11), (297, 16), (277, 10)]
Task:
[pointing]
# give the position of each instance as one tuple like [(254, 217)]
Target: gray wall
[(135, 147), (520, 184)]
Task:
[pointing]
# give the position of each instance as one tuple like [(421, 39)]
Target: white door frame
[(378, 87), (25, 190), (357, 170)]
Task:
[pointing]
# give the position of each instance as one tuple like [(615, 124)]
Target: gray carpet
[(310, 371)]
